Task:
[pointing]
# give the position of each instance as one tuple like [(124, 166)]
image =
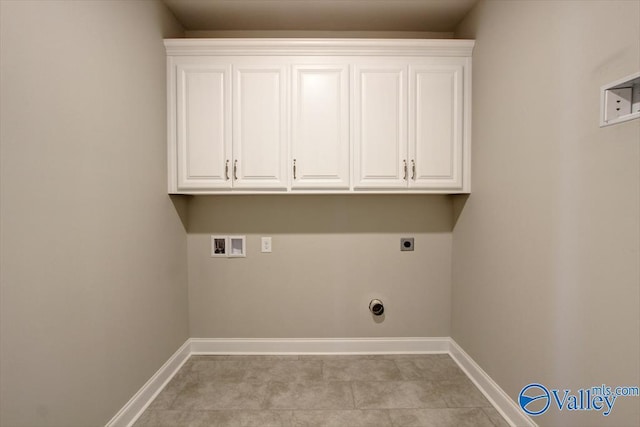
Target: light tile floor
[(345, 391)]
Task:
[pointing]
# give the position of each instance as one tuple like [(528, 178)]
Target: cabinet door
[(380, 126), (320, 145), (203, 124), (435, 126), (260, 126)]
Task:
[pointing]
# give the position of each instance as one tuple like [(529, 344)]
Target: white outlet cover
[(266, 244), (620, 100), (617, 103)]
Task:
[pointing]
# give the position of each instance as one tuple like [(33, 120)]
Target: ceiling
[(320, 15)]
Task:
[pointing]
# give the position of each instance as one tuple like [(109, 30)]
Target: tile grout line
[(353, 394), (263, 403)]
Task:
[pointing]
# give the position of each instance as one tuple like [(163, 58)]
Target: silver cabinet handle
[(294, 169), (235, 170), (404, 167), (226, 170), (413, 170)]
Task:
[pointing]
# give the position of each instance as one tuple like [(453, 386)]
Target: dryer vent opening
[(376, 307)]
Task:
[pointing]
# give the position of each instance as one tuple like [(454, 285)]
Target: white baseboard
[(139, 402), (492, 391), (338, 346)]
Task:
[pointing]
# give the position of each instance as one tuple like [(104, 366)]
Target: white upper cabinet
[(436, 126), (260, 126), (318, 115), (320, 143), (421, 150), (231, 125), (380, 125), (202, 135)]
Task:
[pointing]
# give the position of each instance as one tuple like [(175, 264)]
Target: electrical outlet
[(266, 244), (620, 100), (406, 244), (618, 103)]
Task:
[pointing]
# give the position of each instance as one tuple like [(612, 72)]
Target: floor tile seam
[(395, 424), (491, 419), (301, 409), (173, 400), (387, 414), (367, 380), (284, 410), (353, 395), (207, 364), (487, 417), (243, 381), (471, 407), (264, 397), (395, 363), (400, 408), (259, 380), (432, 381), (220, 410), (396, 381), (312, 382), (339, 410), (385, 411)]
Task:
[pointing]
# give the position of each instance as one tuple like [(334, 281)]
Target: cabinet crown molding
[(294, 46)]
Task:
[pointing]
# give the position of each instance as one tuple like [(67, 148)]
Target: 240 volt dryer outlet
[(406, 244)]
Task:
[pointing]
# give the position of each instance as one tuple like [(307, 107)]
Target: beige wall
[(546, 250), (331, 256), (93, 273)]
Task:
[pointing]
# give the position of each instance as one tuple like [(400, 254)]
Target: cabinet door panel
[(320, 143), (203, 126), (260, 127), (380, 124), (435, 139)]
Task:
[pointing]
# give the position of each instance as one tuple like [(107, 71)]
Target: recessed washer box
[(237, 246), (228, 246)]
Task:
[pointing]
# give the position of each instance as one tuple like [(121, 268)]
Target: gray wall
[(331, 256), (93, 273), (546, 250)]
